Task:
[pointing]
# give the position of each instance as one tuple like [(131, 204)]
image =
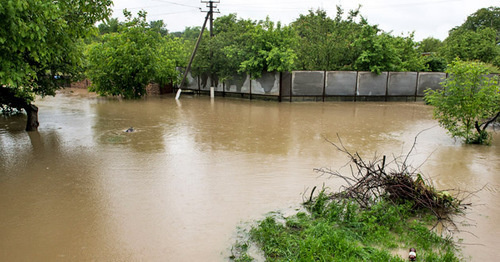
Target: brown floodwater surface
[(193, 170)]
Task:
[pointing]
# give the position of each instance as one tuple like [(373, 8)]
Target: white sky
[(427, 18)]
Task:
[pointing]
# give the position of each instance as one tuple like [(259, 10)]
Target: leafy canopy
[(40, 39), (468, 102), (325, 43), (245, 47), (478, 38), (125, 62)]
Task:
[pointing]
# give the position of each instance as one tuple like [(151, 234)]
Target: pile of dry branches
[(371, 181)]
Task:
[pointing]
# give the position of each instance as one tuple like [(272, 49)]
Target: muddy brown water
[(176, 189)]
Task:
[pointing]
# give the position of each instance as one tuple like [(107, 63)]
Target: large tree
[(241, 47), (325, 43), (40, 43), (484, 17), (472, 45), (221, 55), (478, 38), (124, 63), (270, 49)]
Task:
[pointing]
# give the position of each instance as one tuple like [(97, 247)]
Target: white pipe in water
[(178, 94)]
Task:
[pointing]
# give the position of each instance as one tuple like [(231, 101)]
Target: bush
[(468, 102)]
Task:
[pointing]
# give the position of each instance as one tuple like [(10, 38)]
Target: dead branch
[(372, 181)]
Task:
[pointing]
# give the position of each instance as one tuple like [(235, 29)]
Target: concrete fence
[(325, 85)]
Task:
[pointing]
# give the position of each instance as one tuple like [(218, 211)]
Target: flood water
[(176, 189)]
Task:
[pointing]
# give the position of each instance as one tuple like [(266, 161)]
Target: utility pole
[(210, 15), (211, 6)]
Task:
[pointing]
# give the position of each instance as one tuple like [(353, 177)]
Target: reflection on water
[(176, 189)]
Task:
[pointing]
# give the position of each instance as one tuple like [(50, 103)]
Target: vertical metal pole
[(211, 12)]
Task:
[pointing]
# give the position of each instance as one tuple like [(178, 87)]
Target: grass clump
[(379, 214), (332, 230)]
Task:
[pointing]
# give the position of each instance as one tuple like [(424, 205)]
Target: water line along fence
[(324, 85)]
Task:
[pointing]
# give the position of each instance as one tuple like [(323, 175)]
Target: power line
[(174, 3), (211, 6)]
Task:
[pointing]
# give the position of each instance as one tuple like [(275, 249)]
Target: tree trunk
[(8, 97), (32, 121)]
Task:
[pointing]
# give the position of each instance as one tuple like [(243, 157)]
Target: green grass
[(342, 231)]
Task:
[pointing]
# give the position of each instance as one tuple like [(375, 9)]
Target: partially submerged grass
[(381, 212), (340, 230)]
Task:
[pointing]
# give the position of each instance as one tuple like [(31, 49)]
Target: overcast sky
[(427, 18)]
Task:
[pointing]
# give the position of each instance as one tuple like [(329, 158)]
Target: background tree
[(270, 49), (407, 51), (430, 45), (40, 42), (382, 52), (242, 47), (325, 43), (478, 38), (124, 63), (484, 17), (112, 25), (159, 26), (221, 56), (470, 45), (429, 48), (315, 49), (468, 102)]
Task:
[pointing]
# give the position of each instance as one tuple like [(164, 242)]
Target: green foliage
[(110, 26), (408, 53), (312, 42), (435, 63), (478, 38), (245, 46), (325, 43), (158, 26), (430, 45), (223, 54), (124, 63), (482, 18), (383, 52), (468, 101), (269, 49), (41, 39), (472, 45), (342, 231)]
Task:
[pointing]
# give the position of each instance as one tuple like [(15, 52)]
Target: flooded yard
[(193, 170)]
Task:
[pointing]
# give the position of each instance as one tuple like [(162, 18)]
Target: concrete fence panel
[(429, 80), (238, 84), (402, 84), (390, 85), (191, 82), (341, 83), (307, 83), (370, 84), (267, 84)]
